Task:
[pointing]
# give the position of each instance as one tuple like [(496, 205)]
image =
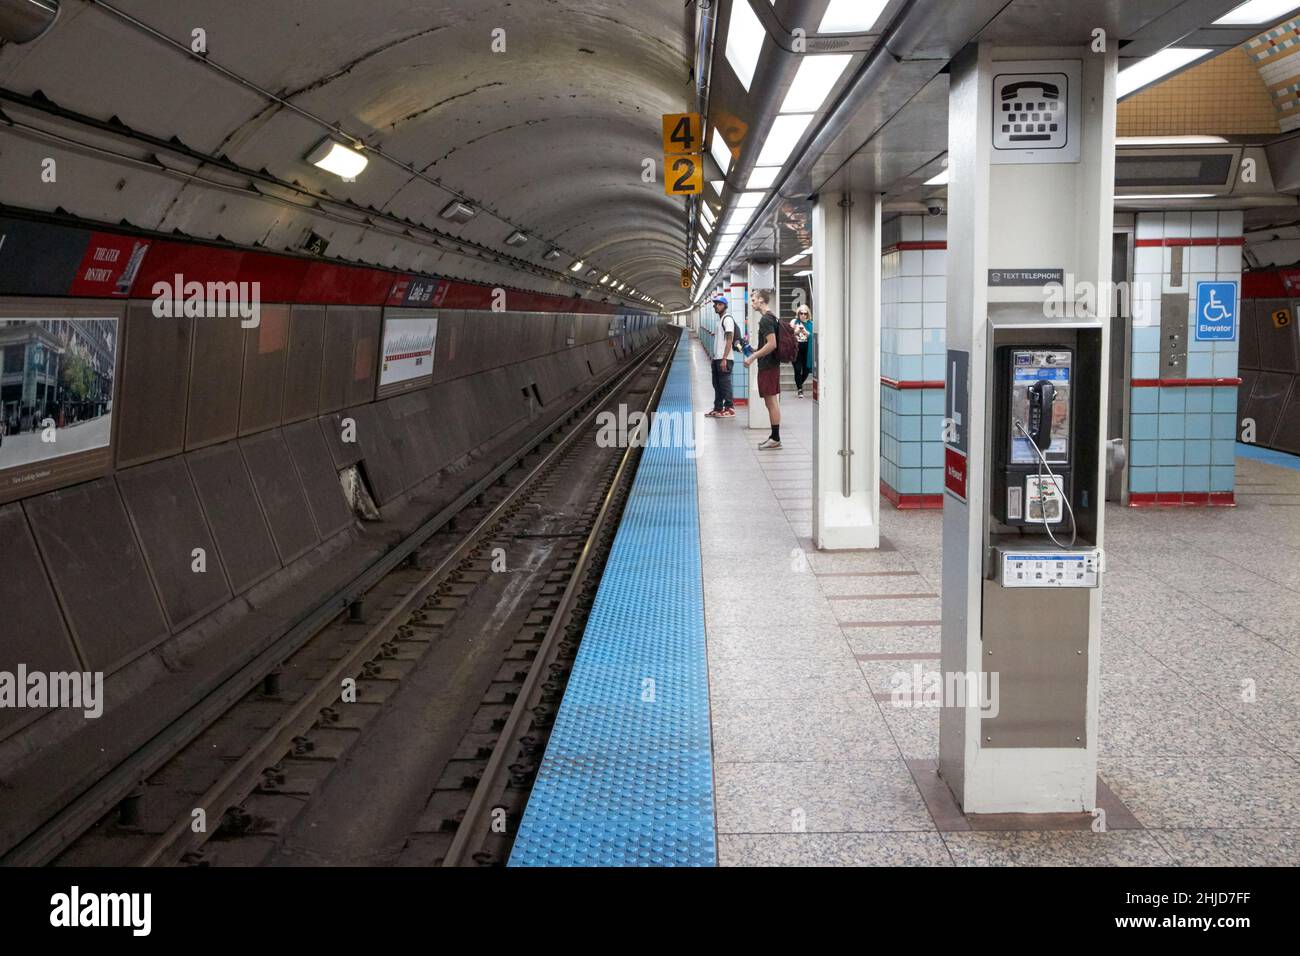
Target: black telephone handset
[(1050, 90), (1039, 426)]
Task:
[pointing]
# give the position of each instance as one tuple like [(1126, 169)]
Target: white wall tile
[(1230, 222), (1150, 225), (1178, 224), (1205, 224)]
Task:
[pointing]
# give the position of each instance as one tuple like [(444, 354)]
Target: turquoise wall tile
[(1142, 453), (1171, 426), (1145, 401), (1142, 480), (1169, 479), (1171, 453), (1198, 426), (1222, 478), (1196, 452), (1196, 478)]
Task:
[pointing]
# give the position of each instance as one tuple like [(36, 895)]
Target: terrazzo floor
[(1200, 664)]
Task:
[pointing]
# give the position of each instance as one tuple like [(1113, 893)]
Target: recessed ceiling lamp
[(717, 185), (1256, 13), (813, 83), (577, 266), (940, 180), (749, 200), (761, 177), (852, 16), (552, 254), (720, 151), (333, 157), (782, 137), (745, 36), (516, 238), (1147, 71)]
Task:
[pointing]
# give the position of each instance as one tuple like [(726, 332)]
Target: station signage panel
[(1216, 311)]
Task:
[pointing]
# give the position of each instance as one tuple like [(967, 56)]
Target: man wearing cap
[(721, 364)]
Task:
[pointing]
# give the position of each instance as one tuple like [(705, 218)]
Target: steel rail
[(471, 829)]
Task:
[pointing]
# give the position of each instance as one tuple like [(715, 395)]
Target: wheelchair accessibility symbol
[(1216, 311)]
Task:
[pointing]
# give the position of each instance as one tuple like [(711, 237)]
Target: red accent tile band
[(895, 383), (911, 502), (1182, 499), (914, 246), (1185, 382), (1199, 241)]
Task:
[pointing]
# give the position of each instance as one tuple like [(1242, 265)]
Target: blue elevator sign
[(1216, 311)]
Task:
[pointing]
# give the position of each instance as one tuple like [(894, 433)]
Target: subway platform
[(818, 760)]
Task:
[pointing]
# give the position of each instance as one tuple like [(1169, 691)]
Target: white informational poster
[(409, 337)]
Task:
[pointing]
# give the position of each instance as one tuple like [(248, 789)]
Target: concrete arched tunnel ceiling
[(549, 135)]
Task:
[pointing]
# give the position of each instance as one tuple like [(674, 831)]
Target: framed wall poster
[(406, 362), (58, 381)]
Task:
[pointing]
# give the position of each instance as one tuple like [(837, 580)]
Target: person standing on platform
[(802, 326), (769, 366), (723, 339)]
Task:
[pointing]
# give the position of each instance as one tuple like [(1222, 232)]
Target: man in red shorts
[(769, 365)]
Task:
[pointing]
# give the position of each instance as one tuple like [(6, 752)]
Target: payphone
[(1031, 480), (1043, 504)]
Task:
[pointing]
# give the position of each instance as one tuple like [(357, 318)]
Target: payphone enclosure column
[(1031, 171)]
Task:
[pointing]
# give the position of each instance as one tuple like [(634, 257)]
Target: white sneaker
[(768, 443)]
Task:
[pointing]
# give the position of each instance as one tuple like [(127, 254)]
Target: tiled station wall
[(1182, 431), (708, 330), (1269, 395), (914, 318)]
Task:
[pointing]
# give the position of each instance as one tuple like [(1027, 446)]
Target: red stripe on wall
[(1185, 382), (914, 246), (1200, 241), (1182, 499), (911, 502), (895, 383)]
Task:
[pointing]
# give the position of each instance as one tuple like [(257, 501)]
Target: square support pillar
[(1025, 217), (846, 417)]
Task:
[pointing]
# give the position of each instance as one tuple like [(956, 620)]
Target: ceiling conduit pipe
[(22, 21)]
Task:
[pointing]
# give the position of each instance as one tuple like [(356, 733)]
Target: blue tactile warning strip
[(1270, 455), (627, 779)]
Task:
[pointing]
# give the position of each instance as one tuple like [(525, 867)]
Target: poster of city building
[(56, 397)]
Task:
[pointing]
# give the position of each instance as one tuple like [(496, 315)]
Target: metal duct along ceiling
[(538, 114)]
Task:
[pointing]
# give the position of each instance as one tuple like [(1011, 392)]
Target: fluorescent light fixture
[(750, 200), (604, 280), (516, 238), (763, 177), (793, 259), (720, 151), (457, 211), (1256, 13), (782, 138), (800, 275), (701, 241), (852, 16), (717, 185), (1126, 198), (940, 180), (813, 83), (577, 266), (745, 36), (1169, 140), (333, 157), (593, 271), (706, 213), (552, 254), (705, 227), (1145, 72)]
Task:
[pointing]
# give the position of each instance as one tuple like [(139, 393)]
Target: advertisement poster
[(407, 360)]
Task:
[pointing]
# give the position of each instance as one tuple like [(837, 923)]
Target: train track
[(406, 729)]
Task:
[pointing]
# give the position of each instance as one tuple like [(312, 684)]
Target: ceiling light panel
[(813, 83)]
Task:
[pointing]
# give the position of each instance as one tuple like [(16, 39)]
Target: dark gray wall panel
[(1277, 347), (343, 453), (319, 478), (265, 350), (278, 489), (303, 368), (380, 459), (1287, 434), (169, 524), (447, 352), (216, 381), (365, 355), (155, 382), (34, 633), (336, 360), (1265, 405), (226, 493), (97, 571)]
